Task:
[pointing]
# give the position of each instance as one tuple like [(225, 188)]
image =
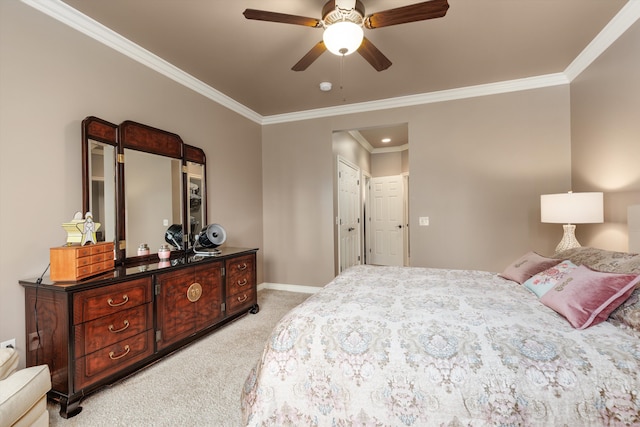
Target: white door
[(387, 220), (348, 214)]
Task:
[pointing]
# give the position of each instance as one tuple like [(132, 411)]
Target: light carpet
[(198, 385)]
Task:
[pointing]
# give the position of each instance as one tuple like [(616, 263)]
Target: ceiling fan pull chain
[(344, 98)]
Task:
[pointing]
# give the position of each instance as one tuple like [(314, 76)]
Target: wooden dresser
[(94, 332)]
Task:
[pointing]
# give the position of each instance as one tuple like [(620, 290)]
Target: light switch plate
[(424, 220)]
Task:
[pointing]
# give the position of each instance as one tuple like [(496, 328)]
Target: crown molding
[(423, 98), (397, 149), (361, 139), (64, 13), (355, 134), (620, 23)]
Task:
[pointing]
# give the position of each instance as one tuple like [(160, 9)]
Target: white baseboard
[(289, 288)]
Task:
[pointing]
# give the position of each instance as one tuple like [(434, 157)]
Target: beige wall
[(477, 167), (297, 164), (345, 146), (605, 126), (388, 164), (51, 77)]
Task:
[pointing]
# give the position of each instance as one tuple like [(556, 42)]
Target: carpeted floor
[(197, 386)]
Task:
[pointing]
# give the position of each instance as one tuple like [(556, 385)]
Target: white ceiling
[(478, 42)]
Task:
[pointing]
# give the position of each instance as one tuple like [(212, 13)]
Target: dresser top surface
[(122, 273)]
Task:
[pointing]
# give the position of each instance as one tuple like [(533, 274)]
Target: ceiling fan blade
[(311, 56), (414, 12), (263, 15), (373, 56)]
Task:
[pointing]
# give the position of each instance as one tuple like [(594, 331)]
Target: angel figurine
[(89, 232)]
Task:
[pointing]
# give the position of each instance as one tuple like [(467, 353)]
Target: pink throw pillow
[(527, 266), (586, 297)]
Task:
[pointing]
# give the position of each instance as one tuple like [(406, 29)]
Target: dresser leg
[(69, 409), (254, 309)]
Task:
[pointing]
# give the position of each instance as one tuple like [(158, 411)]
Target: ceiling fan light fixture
[(343, 38)]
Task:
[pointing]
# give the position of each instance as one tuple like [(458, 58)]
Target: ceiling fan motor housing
[(332, 14)]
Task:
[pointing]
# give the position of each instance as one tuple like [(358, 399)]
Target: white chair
[(23, 392)]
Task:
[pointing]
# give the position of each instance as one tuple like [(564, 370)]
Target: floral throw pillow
[(628, 314), (527, 266), (586, 297), (547, 279)]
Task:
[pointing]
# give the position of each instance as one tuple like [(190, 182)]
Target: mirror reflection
[(102, 204), (197, 202), (153, 198)]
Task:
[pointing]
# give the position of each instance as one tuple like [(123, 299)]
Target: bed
[(392, 346)]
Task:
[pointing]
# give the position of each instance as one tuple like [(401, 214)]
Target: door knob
[(400, 226)]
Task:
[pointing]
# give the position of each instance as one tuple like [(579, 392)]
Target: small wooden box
[(71, 263)]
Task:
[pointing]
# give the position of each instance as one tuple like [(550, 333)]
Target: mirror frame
[(99, 130), (136, 136), (194, 155)]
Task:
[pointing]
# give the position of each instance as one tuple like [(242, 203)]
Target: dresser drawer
[(95, 303), (239, 283), (91, 269), (112, 359), (240, 274), (96, 334), (240, 301)]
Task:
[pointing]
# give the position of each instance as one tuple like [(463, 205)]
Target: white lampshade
[(572, 208), (343, 38)]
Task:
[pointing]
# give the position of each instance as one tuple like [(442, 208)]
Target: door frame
[(359, 228), (366, 217)]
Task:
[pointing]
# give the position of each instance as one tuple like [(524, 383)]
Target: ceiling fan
[(343, 22)]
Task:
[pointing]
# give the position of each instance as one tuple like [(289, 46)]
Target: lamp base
[(569, 240)]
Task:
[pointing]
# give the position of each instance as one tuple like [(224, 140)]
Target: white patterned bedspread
[(390, 346)]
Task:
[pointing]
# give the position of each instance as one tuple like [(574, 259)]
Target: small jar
[(143, 249), (164, 252)]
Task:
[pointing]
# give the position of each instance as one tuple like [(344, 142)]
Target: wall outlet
[(9, 343)]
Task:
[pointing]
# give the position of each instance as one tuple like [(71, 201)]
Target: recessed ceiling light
[(385, 140)]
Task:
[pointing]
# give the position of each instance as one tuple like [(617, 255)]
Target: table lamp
[(570, 209)]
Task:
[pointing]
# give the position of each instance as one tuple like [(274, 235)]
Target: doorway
[(361, 158)]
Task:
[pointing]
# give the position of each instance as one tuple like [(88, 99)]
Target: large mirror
[(152, 199), (138, 182), (197, 199), (99, 169), (195, 165)]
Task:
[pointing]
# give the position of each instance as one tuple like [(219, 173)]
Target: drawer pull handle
[(243, 298), (115, 331), (113, 356), (125, 299), (194, 292), (243, 282), (242, 267)]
